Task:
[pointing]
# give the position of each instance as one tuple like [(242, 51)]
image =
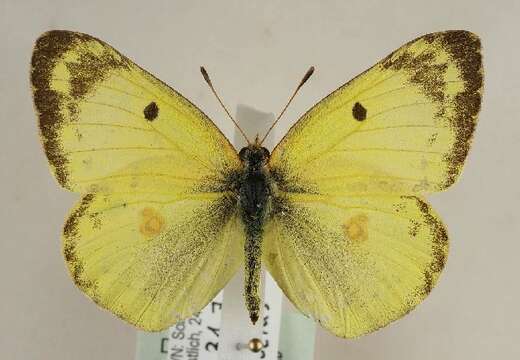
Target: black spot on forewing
[(359, 112), (151, 111)]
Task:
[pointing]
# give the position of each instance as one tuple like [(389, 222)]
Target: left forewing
[(99, 113)]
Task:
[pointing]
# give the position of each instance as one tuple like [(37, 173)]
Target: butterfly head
[(254, 156)]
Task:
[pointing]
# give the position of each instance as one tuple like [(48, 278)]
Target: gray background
[(256, 53)]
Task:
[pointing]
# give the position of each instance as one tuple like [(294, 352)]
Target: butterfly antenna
[(208, 80), (304, 80)]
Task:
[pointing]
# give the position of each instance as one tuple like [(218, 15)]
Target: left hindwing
[(403, 126), (153, 259)]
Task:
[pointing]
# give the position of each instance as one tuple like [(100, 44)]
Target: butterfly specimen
[(336, 212)]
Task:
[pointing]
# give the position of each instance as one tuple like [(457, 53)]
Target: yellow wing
[(355, 263), (350, 240), (153, 259), (151, 238), (403, 126), (100, 113)]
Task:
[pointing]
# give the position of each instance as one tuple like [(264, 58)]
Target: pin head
[(255, 345)]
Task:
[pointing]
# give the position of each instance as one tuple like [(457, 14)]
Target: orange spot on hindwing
[(152, 222), (356, 228)]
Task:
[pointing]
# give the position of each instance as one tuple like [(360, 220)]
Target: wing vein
[(101, 85), (399, 127), (130, 175), (355, 130), (333, 204), (363, 176), (391, 150), (108, 125), (119, 149), (311, 273)]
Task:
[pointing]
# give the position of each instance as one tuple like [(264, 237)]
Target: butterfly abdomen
[(254, 194)]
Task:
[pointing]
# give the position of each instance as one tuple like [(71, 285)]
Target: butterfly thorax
[(254, 197), (254, 183)]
